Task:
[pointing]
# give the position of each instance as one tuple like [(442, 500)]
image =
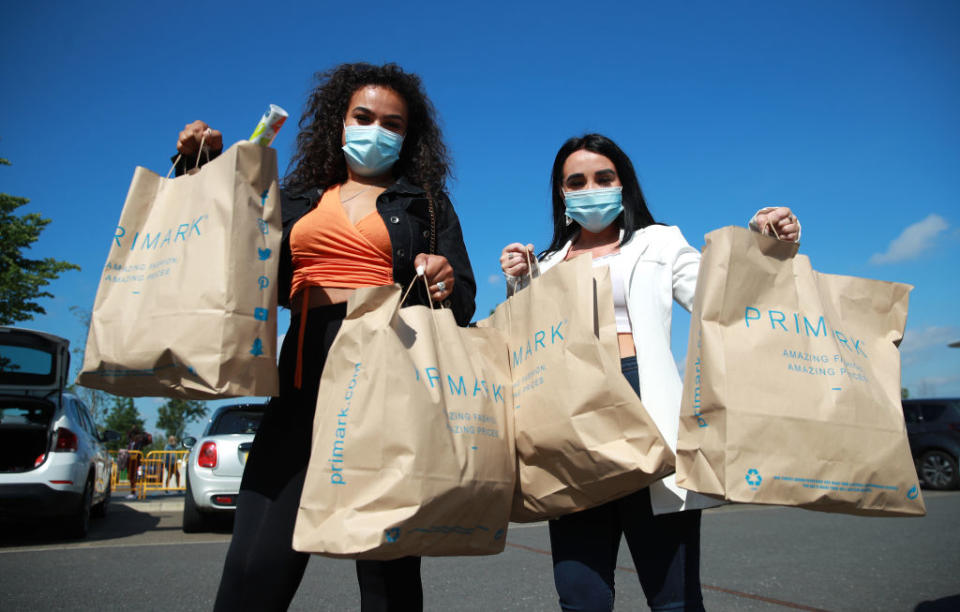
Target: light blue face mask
[(594, 209), (371, 150)]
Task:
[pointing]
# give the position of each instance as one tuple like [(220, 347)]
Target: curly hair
[(319, 160)]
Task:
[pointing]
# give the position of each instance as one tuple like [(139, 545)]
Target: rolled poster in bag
[(187, 304), (792, 385)]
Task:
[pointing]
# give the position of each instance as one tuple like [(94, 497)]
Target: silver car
[(215, 463), (52, 460)]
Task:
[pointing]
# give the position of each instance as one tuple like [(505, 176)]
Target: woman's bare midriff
[(626, 345), (321, 296)]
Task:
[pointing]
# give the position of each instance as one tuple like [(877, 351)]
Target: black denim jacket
[(405, 211)]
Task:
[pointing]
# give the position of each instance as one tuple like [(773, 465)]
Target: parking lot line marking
[(88, 546)]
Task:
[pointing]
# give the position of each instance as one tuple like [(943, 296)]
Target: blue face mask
[(594, 209), (371, 150)]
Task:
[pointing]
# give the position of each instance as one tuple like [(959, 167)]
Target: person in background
[(136, 441), (365, 205), (599, 208), (170, 461)]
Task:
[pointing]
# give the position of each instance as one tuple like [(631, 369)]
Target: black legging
[(262, 571)]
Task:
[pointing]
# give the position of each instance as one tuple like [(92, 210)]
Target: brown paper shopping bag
[(186, 305), (413, 441), (792, 385), (583, 436)]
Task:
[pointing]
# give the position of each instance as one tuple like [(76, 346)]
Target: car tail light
[(208, 455), (39, 460), (225, 500), (66, 441)]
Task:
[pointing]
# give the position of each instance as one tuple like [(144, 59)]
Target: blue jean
[(665, 549)]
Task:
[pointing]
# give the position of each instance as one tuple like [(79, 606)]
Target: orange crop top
[(330, 251)]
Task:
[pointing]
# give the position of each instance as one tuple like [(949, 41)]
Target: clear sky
[(849, 112)]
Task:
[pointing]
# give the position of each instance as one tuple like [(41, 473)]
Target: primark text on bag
[(413, 446), (792, 384), (583, 436), (186, 305)]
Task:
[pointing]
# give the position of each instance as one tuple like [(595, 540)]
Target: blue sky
[(845, 111)]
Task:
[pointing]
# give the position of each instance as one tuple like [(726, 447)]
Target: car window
[(933, 412), (73, 412), (237, 422), (24, 360), (911, 414), (87, 420)]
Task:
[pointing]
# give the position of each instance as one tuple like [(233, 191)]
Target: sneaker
[(131, 496)]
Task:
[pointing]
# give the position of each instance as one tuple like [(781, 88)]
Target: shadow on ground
[(120, 521), (944, 604)]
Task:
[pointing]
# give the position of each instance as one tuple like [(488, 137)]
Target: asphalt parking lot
[(754, 558)]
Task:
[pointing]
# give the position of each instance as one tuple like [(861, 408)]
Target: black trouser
[(262, 571), (665, 549)]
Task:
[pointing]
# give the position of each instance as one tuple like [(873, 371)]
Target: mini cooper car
[(53, 464), (215, 464)]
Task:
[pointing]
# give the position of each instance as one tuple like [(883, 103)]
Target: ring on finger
[(441, 286)]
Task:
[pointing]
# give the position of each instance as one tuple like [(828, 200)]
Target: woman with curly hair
[(364, 205)]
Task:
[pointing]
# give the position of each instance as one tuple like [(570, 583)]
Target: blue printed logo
[(754, 479), (263, 226), (257, 349), (264, 282), (263, 254), (392, 534), (913, 493), (260, 314), (498, 535), (263, 197)]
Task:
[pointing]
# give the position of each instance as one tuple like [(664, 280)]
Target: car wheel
[(100, 510), (79, 524), (939, 470), (193, 519)]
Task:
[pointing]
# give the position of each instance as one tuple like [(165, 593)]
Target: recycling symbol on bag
[(913, 493), (754, 479)]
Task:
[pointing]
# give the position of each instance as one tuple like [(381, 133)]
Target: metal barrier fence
[(155, 472)]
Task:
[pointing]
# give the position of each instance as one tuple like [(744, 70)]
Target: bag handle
[(531, 262), (772, 229), (203, 137), (403, 299)]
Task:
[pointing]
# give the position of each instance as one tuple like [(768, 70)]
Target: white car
[(215, 464), (52, 459)]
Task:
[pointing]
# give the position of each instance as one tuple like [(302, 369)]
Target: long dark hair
[(319, 161), (635, 214)]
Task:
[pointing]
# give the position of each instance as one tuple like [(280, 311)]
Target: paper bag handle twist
[(429, 298), (203, 137)]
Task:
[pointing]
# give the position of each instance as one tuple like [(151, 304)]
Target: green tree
[(22, 279), (122, 416), (174, 415)]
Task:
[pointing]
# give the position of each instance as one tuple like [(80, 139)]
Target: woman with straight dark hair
[(599, 208), (364, 205)]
